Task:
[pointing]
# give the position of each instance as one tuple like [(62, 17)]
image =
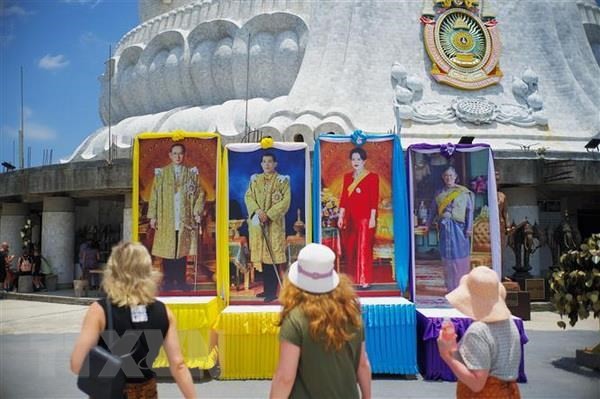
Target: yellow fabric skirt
[(194, 324), (248, 343)]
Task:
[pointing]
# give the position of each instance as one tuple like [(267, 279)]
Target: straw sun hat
[(313, 271), (480, 296)]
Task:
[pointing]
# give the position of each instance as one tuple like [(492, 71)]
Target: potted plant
[(575, 285), (26, 233)]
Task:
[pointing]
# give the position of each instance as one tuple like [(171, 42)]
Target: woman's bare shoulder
[(96, 309)]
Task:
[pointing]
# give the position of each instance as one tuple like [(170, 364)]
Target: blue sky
[(62, 46)]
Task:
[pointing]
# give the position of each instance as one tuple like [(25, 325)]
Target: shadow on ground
[(569, 364)]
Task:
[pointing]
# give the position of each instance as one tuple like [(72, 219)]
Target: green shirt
[(321, 373)]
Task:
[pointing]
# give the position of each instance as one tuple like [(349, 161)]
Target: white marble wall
[(151, 8), (58, 236)]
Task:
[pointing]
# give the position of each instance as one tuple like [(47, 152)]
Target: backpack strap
[(109, 321)]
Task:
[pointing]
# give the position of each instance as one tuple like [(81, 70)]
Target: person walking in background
[(452, 207), (267, 201), (88, 260), (37, 269), (175, 213), (322, 350), (486, 360), (4, 266), (358, 218), (130, 286)]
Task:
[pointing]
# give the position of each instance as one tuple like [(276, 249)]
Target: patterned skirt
[(143, 390), (494, 388)]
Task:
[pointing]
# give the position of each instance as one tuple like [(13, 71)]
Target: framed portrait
[(268, 222), (360, 207), (454, 217), (174, 205)]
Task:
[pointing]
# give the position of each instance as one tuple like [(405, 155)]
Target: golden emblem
[(276, 196), (463, 48)]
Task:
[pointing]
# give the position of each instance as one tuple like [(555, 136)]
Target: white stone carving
[(433, 112), (406, 88), (206, 66), (525, 90), (476, 110)]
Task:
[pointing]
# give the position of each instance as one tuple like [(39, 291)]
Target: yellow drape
[(223, 229), (194, 323), (248, 344)]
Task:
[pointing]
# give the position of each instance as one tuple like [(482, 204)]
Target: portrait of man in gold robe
[(267, 201), (175, 210)]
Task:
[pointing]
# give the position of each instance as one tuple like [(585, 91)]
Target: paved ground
[(36, 339)]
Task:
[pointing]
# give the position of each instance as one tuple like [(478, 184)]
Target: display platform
[(195, 317), (429, 324), (390, 332), (247, 340), (249, 345)]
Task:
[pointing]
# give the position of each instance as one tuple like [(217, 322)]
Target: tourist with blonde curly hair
[(130, 284), (322, 350)]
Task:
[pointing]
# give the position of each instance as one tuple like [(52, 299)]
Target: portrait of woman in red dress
[(358, 218)]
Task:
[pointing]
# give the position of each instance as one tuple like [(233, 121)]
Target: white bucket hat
[(313, 271), (480, 296)]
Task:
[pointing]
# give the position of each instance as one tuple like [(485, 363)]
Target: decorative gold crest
[(276, 196), (464, 49), (191, 188)]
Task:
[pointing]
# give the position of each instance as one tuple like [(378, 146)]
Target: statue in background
[(565, 238), (524, 239)]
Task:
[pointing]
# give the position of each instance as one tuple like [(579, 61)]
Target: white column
[(13, 217), (126, 234), (58, 237), (522, 203)]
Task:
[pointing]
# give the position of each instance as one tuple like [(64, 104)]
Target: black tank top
[(141, 339)]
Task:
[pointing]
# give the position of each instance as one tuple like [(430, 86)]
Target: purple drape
[(431, 365)]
